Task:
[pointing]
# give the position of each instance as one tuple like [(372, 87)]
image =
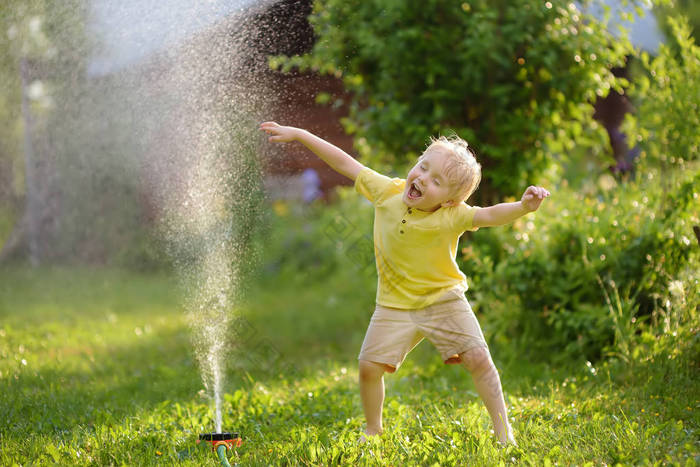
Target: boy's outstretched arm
[(506, 213), (339, 160)]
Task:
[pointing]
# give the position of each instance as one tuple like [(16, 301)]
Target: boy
[(420, 292)]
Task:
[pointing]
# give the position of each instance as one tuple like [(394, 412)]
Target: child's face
[(427, 188)]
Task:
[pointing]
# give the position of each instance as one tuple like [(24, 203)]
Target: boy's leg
[(372, 393), (488, 384)]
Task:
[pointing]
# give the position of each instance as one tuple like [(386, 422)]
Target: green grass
[(96, 368)]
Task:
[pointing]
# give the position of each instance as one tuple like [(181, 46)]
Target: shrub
[(579, 277)]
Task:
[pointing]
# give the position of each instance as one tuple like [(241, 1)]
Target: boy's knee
[(477, 360), (370, 371)]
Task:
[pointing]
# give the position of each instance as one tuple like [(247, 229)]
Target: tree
[(43, 46), (515, 78), (688, 8)]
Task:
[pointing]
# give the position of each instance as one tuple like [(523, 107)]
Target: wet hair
[(462, 171)]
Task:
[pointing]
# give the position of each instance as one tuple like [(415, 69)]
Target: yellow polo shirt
[(415, 250)]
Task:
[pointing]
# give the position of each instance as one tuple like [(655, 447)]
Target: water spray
[(221, 442), (195, 110)]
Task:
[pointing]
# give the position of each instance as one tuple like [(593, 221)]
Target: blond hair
[(462, 171)]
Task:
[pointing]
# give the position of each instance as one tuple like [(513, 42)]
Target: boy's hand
[(280, 134), (533, 197)]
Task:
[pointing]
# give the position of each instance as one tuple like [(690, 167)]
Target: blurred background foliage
[(80, 195), (666, 92)]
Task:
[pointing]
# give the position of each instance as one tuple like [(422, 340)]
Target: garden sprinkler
[(220, 442)]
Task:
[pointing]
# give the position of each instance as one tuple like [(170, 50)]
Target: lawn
[(96, 368)]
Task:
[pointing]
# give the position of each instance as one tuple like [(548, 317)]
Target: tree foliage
[(667, 98), (517, 79), (688, 8)]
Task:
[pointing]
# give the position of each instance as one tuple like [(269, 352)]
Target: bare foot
[(367, 434), (509, 441)]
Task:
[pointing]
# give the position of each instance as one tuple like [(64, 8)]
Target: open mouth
[(414, 192)]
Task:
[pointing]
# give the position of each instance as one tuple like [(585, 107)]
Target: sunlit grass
[(96, 369)]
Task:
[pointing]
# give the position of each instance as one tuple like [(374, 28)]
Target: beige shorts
[(450, 325)]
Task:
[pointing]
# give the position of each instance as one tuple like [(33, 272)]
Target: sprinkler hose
[(221, 451)]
